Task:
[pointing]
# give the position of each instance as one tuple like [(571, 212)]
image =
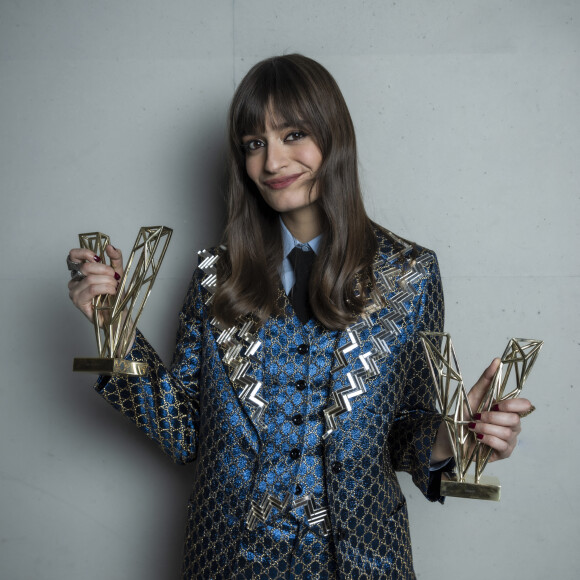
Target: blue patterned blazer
[(214, 405)]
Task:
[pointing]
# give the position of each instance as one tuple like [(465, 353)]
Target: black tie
[(302, 263)]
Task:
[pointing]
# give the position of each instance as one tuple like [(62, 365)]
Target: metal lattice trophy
[(115, 317), (507, 383)]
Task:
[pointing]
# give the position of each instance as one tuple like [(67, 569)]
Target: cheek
[(314, 158)]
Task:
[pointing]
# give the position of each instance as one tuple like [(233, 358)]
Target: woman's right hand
[(99, 278)]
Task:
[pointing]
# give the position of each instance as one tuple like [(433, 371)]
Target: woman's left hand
[(499, 428)]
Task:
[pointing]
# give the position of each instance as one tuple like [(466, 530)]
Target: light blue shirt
[(289, 242)]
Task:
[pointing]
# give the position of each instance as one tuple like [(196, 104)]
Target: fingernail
[(528, 412), (495, 408), (96, 258), (479, 435), (471, 425), (477, 416), (117, 276)]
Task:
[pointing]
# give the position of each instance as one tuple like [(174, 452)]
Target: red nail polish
[(96, 258), (471, 425), (495, 408), (477, 416), (117, 277), (479, 435)]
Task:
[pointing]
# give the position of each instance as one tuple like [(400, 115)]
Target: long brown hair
[(301, 92)]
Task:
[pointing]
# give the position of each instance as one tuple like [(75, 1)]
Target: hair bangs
[(279, 96)]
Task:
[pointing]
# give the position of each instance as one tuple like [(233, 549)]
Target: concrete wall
[(112, 117)]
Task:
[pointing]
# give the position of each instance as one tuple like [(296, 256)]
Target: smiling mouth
[(282, 182)]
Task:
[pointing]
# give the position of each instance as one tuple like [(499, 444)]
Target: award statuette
[(516, 364), (115, 317)]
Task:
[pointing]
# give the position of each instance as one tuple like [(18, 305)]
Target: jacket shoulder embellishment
[(238, 342), (395, 287)]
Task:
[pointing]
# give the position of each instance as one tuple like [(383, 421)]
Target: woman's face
[(283, 162)]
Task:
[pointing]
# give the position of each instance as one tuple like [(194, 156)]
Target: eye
[(295, 136), (252, 145)]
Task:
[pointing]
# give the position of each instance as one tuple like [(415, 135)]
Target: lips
[(282, 182)]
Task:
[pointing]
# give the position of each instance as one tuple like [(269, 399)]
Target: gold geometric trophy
[(515, 366), (115, 317)]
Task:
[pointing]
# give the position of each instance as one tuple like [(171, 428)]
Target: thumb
[(478, 391), (116, 257)]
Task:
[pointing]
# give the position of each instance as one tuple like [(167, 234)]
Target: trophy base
[(486, 488), (109, 366)]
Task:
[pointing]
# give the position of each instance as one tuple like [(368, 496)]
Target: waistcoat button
[(297, 419), (294, 453), (298, 490), (336, 467), (300, 385), (303, 348)]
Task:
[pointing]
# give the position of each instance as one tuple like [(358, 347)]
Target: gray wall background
[(112, 117)]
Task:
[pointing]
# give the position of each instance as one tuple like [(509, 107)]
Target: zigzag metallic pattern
[(401, 286), (314, 516), (260, 511), (239, 344)]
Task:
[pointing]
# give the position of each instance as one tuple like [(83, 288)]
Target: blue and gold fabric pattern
[(296, 431)]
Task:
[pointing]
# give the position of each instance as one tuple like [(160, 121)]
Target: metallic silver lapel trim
[(260, 511), (207, 266), (239, 344), (314, 516), (389, 279)]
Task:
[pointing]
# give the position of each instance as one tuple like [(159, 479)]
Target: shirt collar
[(289, 242)]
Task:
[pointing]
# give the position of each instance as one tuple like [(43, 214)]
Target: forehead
[(275, 124), (271, 115)]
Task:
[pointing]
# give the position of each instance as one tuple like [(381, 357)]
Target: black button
[(301, 385), (336, 467), (298, 419), (294, 453), (303, 348), (342, 534), (298, 490)]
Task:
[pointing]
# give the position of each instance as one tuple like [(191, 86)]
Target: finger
[(83, 294), (116, 258), (82, 254), (98, 269), (518, 405), (499, 418), (94, 274), (501, 448), (481, 430), (479, 391), (107, 277), (485, 379)]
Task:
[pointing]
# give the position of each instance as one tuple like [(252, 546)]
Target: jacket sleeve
[(165, 403), (415, 427)]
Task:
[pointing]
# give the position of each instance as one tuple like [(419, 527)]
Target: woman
[(299, 384)]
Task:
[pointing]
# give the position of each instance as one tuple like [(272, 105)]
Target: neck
[(304, 224)]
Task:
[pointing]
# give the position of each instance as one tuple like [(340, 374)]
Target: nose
[(275, 156)]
